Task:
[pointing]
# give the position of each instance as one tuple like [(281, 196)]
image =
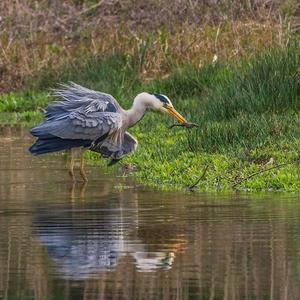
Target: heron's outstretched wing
[(80, 114), (80, 125), (116, 150), (73, 97)]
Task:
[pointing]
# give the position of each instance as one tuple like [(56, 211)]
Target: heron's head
[(162, 103)]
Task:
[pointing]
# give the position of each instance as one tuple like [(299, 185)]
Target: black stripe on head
[(162, 98)]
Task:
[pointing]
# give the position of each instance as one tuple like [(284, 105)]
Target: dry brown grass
[(36, 35)]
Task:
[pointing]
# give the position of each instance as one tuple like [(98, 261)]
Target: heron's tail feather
[(53, 144)]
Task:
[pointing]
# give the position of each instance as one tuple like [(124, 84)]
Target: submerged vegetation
[(239, 80)]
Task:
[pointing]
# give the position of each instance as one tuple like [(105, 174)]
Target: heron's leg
[(82, 172), (82, 190), (71, 166), (72, 190)]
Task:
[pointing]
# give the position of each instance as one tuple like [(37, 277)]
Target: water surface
[(112, 239)]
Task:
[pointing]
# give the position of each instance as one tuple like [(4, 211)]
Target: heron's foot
[(72, 190), (83, 176), (71, 166), (72, 176), (82, 172), (82, 190)]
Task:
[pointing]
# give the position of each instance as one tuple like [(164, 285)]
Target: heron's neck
[(136, 112)]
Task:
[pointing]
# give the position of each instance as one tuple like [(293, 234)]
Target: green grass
[(23, 102), (25, 108), (247, 111), (116, 74)]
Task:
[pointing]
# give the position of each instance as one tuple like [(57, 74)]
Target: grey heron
[(93, 120)]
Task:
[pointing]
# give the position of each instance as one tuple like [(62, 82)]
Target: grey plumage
[(80, 125), (116, 151), (74, 96), (84, 114), (93, 120)]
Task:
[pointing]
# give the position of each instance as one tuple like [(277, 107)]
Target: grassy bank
[(39, 36), (248, 114), (247, 110)]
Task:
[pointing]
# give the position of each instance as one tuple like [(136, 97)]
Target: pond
[(113, 239)]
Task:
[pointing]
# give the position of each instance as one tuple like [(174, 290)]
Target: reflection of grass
[(247, 112)]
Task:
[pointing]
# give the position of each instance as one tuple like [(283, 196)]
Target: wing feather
[(116, 149), (73, 97), (80, 126), (80, 114)]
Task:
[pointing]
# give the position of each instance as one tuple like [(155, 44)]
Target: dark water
[(112, 239)]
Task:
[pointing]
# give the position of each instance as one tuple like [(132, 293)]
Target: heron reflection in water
[(93, 120), (87, 241)]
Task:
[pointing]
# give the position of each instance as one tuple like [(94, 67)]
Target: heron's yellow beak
[(173, 112)]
